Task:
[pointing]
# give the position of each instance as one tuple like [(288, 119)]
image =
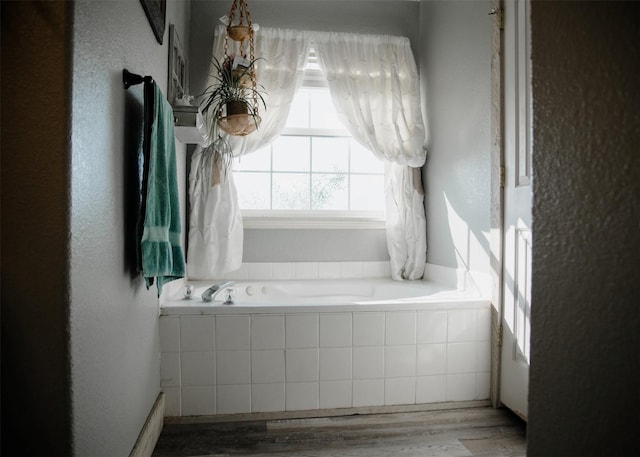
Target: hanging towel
[(161, 247)]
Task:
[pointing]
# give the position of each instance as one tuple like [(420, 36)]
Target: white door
[(516, 275)]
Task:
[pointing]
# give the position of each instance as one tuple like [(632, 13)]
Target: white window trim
[(328, 220)]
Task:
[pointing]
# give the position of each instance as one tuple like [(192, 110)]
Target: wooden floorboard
[(450, 433)]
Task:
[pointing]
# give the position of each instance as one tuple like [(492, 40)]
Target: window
[(315, 174)]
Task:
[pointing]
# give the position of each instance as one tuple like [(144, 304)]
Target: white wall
[(379, 17), (455, 66), (585, 364), (113, 318)]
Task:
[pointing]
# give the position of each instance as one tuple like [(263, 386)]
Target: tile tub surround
[(222, 364)]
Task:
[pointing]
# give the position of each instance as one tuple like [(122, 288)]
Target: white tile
[(335, 394), (368, 362), (431, 389), (260, 271), (329, 270), (483, 325), (400, 391), (267, 397), (241, 274), (461, 387), (335, 364), (198, 400), (169, 369), (483, 356), (368, 392), (461, 325), (399, 361), (483, 383), (351, 270), (169, 334), (233, 367), (171, 401), (461, 358), (233, 399), (306, 270), (284, 270), (335, 330), (198, 369), (302, 365), (374, 269), (301, 395), (197, 333), (368, 329), (267, 366), (431, 359), (233, 333), (301, 331), (267, 332), (400, 327), (432, 326)]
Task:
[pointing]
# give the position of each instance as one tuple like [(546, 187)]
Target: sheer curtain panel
[(374, 85)]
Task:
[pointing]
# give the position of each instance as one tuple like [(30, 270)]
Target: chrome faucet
[(208, 294)]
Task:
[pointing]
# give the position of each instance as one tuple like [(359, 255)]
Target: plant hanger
[(237, 111)]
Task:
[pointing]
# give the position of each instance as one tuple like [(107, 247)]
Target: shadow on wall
[(133, 166), (457, 241)]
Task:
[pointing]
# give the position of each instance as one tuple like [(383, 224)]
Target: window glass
[(291, 191)]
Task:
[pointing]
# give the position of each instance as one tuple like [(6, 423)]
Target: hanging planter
[(239, 32), (235, 78), (238, 119)]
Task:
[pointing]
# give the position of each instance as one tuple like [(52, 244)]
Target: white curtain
[(215, 221), (375, 87)]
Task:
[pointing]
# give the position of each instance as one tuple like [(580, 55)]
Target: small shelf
[(189, 125)]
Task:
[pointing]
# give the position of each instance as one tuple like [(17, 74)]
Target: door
[(516, 274)]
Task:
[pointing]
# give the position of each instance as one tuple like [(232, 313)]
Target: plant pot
[(238, 121), (237, 107), (239, 32)]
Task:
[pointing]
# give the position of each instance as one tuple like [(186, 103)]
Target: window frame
[(314, 219)]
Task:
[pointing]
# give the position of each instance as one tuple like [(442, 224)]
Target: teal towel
[(162, 254)]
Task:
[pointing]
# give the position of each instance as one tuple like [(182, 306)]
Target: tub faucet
[(208, 294)]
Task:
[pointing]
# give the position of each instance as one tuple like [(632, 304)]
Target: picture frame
[(156, 14)]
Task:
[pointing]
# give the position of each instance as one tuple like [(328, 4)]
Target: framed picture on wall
[(156, 12)]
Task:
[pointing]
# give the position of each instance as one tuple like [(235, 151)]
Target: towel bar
[(131, 79)]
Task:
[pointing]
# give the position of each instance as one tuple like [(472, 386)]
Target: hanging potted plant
[(233, 100)]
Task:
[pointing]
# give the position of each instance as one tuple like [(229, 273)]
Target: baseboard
[(150, 433), (315, 413)]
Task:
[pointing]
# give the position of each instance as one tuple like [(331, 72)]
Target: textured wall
[(114, 324), (35, 228), (585, 358), (380, 17), (455, 63)]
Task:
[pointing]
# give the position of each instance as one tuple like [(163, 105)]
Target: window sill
[(311, 220)]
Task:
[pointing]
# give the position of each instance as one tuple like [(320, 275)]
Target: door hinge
[(499, 332), (499, 13), (502, 177)]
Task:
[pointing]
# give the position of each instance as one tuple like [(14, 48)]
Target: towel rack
[(131, 79)]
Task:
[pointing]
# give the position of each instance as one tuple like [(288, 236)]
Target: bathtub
[(322, 295), (323, 344)]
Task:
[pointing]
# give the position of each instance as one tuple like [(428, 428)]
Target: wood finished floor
[(449, 433)]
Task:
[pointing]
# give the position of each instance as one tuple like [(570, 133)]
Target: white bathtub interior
[(309, 344)]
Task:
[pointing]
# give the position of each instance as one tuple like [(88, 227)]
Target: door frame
[(497, 193)]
